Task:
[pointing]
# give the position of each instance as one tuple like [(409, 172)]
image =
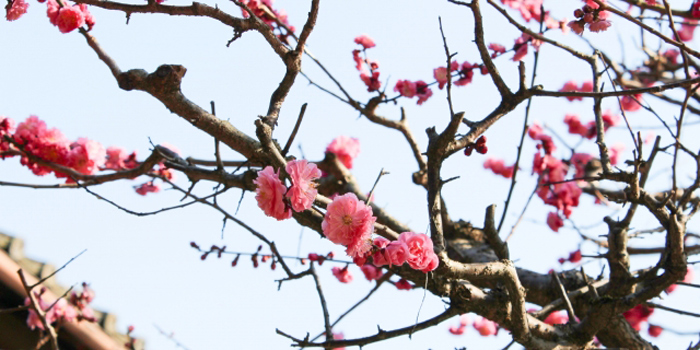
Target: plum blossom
[(423, 91), (343, 275), (303, 190), (638, 315), (18, 8), (365, 41), (146, 188), (403, 284), (270, 194), (441, 73), (263, 9), (536, 133), (371, 272), (557, 317), (406, 88), (499, 168), (372, 81), (420, 251), (687, 31), (630, 103), (655, 331), (117, 159), (485, 327), (554, 221), (349, 222), (345, 148), (393, 253), (7, 128)]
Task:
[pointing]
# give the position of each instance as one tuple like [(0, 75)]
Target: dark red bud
[(578, 13), (235, 261), (204, 256), (194, 245)]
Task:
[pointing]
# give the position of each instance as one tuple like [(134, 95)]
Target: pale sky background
[(143, 269)]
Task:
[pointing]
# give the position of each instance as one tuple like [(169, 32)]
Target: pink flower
[(303, 190), (554, 221), (146, 188), (536, 133), (381, 242), (89, 18), (52, 8), (18, 8), (117, 159), (397, 252), (466, 74), (485, 327), (339, 336), (343, 275), (365, 41), (599, 26), (371, 273), (423, 91), (557, 317), (637, 315), (615, 152), (571, 86), (7, 128), (630, 104), (520, 52), (372, 81), (86, 156), (687, 30), (457, 330), (655, 331), (349, 222), (345, 148), (402, 284), (441, 73), (576, 27), (270, 194), (69, 18), (358, 60), (497, 49), (499, 168), (420, 251), (406, 88)]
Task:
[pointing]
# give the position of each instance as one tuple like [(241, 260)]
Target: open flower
[(270, 194), (349, 222), (303, 190)]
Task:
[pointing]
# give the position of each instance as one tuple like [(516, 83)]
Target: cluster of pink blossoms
[(416, 249), (62, 311), (464, 73), (342, 274), (552, 171), (521, 46), (263, 10), (69, 17), (271, 192), (369, 69), (83, 155), (590, 15)]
